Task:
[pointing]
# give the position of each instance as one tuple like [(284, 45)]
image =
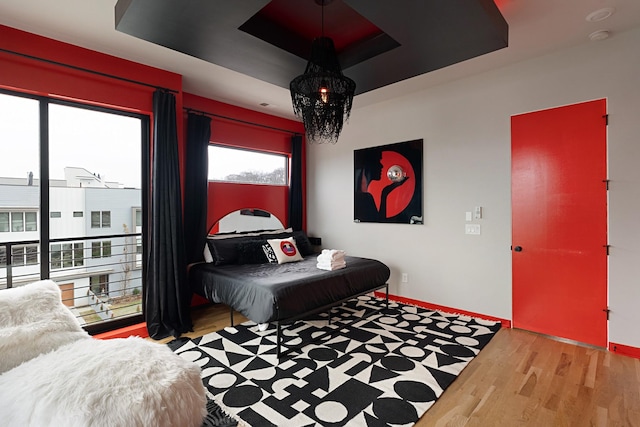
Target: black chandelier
[(322, 97)]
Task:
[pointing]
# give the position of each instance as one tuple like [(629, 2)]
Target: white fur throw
[(52, 373), (33, 321), (120, 382)]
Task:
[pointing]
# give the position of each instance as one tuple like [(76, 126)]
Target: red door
[(559, 219)]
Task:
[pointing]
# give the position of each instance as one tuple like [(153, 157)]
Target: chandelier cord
[(322, 19)]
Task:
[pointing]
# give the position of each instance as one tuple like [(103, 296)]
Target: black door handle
[(518, 249)]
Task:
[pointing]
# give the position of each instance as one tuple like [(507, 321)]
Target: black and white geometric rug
[(372, 366)]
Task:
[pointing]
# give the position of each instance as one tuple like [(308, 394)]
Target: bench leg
[(278, 338), (387, 295)]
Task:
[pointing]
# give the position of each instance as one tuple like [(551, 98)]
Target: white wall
[(465, 126)]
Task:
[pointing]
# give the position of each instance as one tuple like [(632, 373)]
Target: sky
[(104, 144)]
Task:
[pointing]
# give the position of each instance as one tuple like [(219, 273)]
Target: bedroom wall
[(466, 130)]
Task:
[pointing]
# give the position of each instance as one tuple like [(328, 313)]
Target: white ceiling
[(536, 27)]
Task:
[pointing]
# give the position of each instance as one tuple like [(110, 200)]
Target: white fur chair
[(52, 373)]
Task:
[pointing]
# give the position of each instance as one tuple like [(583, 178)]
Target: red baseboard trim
[(624, 350), (505, 323), (138, 330)]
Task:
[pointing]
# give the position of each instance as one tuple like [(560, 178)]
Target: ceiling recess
[(378, 43)]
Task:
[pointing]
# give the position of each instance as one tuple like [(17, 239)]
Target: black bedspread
[(270, 292)]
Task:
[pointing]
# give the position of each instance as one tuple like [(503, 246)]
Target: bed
[(243, 277)]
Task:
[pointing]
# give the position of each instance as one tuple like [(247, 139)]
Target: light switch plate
[(477, 212), (468, 216)]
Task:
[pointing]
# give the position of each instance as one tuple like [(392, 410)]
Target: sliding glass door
[(71, 205)]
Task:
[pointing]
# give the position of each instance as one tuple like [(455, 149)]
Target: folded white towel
[(332, 266), (332, 263), (333, 253)]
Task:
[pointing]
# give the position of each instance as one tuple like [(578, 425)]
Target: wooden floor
[(521, 379)]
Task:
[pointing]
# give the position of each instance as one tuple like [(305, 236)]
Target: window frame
[(44, 239)]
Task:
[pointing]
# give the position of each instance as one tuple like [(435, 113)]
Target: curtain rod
[(233, 119), (86, 70)]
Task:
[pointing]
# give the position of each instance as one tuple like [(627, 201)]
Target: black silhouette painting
[(388, 183)]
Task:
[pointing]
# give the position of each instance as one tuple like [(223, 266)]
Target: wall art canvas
[(388, 183)]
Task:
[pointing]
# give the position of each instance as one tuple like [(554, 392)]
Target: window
[(4, 222), (78, 254), (138, 215), (101, 249), (100, 219), (67, 255), (106, 249), (76, 187), (99, 284), (31, 220), (22, 255), (17, 221), (56, 257), (31, 254), (247, 166)]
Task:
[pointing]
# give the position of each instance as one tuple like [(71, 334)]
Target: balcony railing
[(100, 277)]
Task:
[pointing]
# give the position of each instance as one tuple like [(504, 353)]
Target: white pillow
[(285, 250), (207, 253)]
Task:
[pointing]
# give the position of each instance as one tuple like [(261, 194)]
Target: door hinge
[(606, 310), (606, 119), (606, 183), (606, 248)]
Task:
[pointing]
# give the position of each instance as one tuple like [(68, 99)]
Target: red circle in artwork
[(400, 197)]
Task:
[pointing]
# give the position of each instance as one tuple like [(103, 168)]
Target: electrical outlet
[(472, 229), (405, 278)]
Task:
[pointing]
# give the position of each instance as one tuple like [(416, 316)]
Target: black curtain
[(167, 296), (295, 187), (196, 180)]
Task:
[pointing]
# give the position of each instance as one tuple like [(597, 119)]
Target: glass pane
[(17, 256), (106, 219), (78, 254), (32, 254), (95, 219), (19, 172), (246, 166), (95, 163), (19, 180), (31, 219), (67, 255), (106, 249), (4, 222), (138, 218), (56, 256), (17, 222), (95, 249)]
